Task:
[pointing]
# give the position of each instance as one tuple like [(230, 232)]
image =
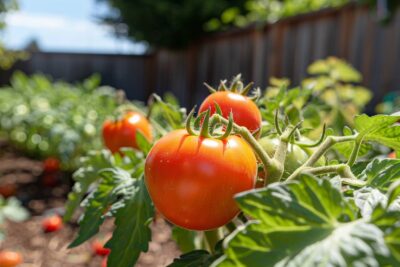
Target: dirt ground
[(50, 249)]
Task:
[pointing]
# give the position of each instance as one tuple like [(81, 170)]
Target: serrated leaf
[(380, 173), (303, 223), (196, 258), (84, 177), (378, 128), (111, 191), (345, 148), (367, 199), (132, 234)]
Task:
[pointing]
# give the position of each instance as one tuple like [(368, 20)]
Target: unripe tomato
[(392, 155), (122, 133), (295, 156), (10, 258), (99, 249), (52, 224), (192, 180), (51, 165), (245, 111)]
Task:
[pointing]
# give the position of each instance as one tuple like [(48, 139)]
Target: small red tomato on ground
[(245, 111), (122, 133), (51, 164), (104, 262), (392, 155), (10, 258), (192, 180), (99, 249), (52, 224), (8, 190)]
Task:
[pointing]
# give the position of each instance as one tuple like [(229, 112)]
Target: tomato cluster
[(192, 179)]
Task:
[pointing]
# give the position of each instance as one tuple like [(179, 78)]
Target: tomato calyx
[(236, 86), (208, 125)]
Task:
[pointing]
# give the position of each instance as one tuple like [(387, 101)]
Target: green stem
[(270, 167), (321, 150), (354, 152), (231, 227), (212, 237), (342, 169), (353, 182)]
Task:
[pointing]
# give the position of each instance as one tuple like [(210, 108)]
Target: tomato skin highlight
[(122, 133), (10, 258), (245, 111), (192, 180), (52, 224)]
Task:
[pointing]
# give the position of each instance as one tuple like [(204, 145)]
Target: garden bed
[(51, 249)]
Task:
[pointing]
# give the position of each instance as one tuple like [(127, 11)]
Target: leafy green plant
[(331, 95), (11, 209), (344, 211), (57, 119)]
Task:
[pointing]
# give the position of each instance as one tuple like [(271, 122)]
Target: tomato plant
[(10, 258), (200, 168), (327, 197), (55, 119), (122, 132), (52, 223)]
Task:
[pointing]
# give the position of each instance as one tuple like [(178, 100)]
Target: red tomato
[(8, 190), (392, 155), (245, 111), (10, 258), (104, 262), (52, 224), (192, 179), (122, 133), (99, 249), (51, 165)]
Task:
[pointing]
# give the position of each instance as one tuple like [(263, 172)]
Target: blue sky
[(64, 25)]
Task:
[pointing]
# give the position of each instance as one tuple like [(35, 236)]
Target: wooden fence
[(282, 49)]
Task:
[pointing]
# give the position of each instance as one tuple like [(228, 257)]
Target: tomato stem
[(342, 169), (212, 237), (354, 152), (272, 167), (320, 151)]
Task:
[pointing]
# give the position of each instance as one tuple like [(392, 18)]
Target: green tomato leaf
[(379, 128), (381, 173), (367, 199), (132, 233), (86, 176), (196, 258), (303, 223)]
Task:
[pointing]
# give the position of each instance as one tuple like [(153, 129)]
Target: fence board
[(282, 49)]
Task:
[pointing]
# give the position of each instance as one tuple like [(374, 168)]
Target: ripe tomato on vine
[(192, 179), (122, 132)]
